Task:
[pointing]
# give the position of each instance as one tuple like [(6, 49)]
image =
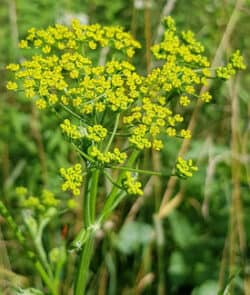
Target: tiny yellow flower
[(11, 85), (184, 100), (185, 134), (92, 45), (171, 132), (46, 49), (13, 67), (23, 44), (41, 104), (53, 99), (206, 97)]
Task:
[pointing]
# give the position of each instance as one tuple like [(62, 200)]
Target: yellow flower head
[(185, 168), (73, 179), (132, 186), (70, 129), (21, 191)]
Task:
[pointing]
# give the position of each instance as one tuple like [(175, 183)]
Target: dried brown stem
[(237, 229), (147, 32), (236, 165), (13, 22), (171, 205), (103, 281)]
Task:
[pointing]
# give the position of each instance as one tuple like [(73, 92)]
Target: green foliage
[(133, 235), (29, 291), (196, 232)]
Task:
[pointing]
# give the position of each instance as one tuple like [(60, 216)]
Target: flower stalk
[(89, 208)]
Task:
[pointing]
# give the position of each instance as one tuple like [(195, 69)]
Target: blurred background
[(200, 243)]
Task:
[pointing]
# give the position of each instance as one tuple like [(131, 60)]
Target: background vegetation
[(199, 244)]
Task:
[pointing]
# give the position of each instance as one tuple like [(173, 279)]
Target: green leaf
[(29, 291), (177, 266), (133, 235), (207, 288), (183, 232)]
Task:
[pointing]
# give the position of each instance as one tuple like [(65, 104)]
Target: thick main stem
[(83, 270), (160, 253), (89, 219)]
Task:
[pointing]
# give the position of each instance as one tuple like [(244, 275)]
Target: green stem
[(111, 199), (119, 197), (49, 283), (72, 113), (82, 277), (111, 180), (87, 157), (113, 132), (36, 236), (86, 204), (89, 218), (43, 258), (139, 171), (93, 194)]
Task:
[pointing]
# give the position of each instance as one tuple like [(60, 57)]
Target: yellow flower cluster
[(206, 97), (11, 85), (139, 137), (70, 129), (185, 168), (225, 72), (40, 203), (183, 46), (32, 202), (61, 37), (13, 67), (21, 191), (236, 62), (107, 157), (184, 100), (96, 133), (112, 101), (73, 179), (132, 186), (185, 133), (48, 199), (171, 132), (41, 104), (180, 74), (147, 122)]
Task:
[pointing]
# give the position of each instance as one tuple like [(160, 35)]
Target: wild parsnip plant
[(110, 114)]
